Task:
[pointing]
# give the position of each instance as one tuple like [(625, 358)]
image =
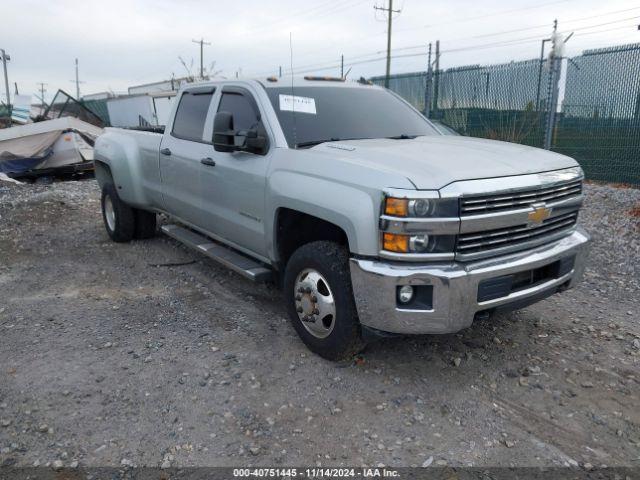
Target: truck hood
[(431, 163)]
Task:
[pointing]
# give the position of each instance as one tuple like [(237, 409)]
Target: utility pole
[(202, 44), (427, 87), (280, 71), (544, 41), (77, 82), (42, 91), (42, 101), (341, 66), (436, 82), (5, 59), (553, 87), (390, 11)]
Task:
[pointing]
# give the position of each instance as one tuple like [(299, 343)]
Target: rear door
[(233, 190), (181, 152)]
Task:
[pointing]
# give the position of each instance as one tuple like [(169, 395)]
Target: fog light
[(419, 243), (405, 294)]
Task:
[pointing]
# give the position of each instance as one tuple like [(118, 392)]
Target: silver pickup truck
[(371, 221)]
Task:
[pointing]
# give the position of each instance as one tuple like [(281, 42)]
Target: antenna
[(293, 98)]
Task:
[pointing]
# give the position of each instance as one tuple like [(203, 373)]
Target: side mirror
[(253, 142), (224, 136), (223, 133)]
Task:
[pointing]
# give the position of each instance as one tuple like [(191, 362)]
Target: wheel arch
[(294, 228)]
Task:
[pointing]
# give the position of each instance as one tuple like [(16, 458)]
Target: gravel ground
[(149, 354)]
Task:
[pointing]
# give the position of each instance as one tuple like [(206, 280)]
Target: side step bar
[(237, 262)]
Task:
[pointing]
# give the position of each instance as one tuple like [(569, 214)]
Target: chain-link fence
[(600, 120), (498, 102), (598, 124), (411, 86)]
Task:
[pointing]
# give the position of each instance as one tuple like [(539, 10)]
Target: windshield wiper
[(313, 143)]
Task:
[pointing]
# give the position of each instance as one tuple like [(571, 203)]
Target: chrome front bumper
[(455, 287)]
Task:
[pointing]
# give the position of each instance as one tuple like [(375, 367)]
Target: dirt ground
[(149, 354)]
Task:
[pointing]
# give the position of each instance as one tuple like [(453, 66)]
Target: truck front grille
[(481, 243), (479, 204)]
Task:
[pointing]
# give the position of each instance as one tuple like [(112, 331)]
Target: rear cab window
[(191, 115)]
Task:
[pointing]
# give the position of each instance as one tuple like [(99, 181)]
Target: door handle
[(208, 161), (165, 151)]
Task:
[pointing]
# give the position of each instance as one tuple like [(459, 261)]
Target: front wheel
[(319, 296)]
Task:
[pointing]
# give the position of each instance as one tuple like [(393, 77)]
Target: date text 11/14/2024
[(316, 472)]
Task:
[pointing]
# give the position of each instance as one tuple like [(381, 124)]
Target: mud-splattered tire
[(319, 299), (118, 217)]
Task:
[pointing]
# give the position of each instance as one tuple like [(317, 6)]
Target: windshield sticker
[(291, 103)]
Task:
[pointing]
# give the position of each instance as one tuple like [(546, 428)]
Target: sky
[(122, 43)]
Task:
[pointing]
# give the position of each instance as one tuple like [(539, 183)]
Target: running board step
[(237, 262)]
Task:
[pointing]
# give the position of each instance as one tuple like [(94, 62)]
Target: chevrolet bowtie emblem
[(540, 213)]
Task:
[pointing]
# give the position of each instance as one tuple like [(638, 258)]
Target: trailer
[(144, 110)]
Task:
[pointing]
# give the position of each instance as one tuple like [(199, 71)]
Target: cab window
[(244, 114), (190, 116)]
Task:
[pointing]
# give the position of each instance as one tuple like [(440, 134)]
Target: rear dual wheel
[(122, 222)]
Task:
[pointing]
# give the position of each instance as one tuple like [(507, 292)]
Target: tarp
[(26, 153), (46, 145)]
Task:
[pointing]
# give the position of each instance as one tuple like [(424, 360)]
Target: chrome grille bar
[(486, 241), (491, 203)]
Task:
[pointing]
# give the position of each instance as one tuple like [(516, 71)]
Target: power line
[(422, 54), (522, 41), (607, 30), (507, 42), (489, 15), (571, 20), (339, 9), (412, 47), (325, 6)]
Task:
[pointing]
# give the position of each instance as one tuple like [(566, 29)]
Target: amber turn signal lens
[(395, 243), (398, 207)]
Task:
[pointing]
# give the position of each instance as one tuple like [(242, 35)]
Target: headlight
[(420, 243), (420, 207)]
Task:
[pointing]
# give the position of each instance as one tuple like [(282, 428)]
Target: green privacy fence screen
[(598, 123), (600, 120), (99, 107), (497, 101)]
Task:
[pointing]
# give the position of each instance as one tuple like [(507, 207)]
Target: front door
[(235, 187)]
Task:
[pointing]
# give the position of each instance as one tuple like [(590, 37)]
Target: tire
[(323, 268), (118, 217), (145, 224)]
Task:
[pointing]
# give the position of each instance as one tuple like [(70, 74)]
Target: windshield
[(325, 114)]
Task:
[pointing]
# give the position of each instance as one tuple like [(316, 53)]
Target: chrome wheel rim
[(109, 213), (315, 304)]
